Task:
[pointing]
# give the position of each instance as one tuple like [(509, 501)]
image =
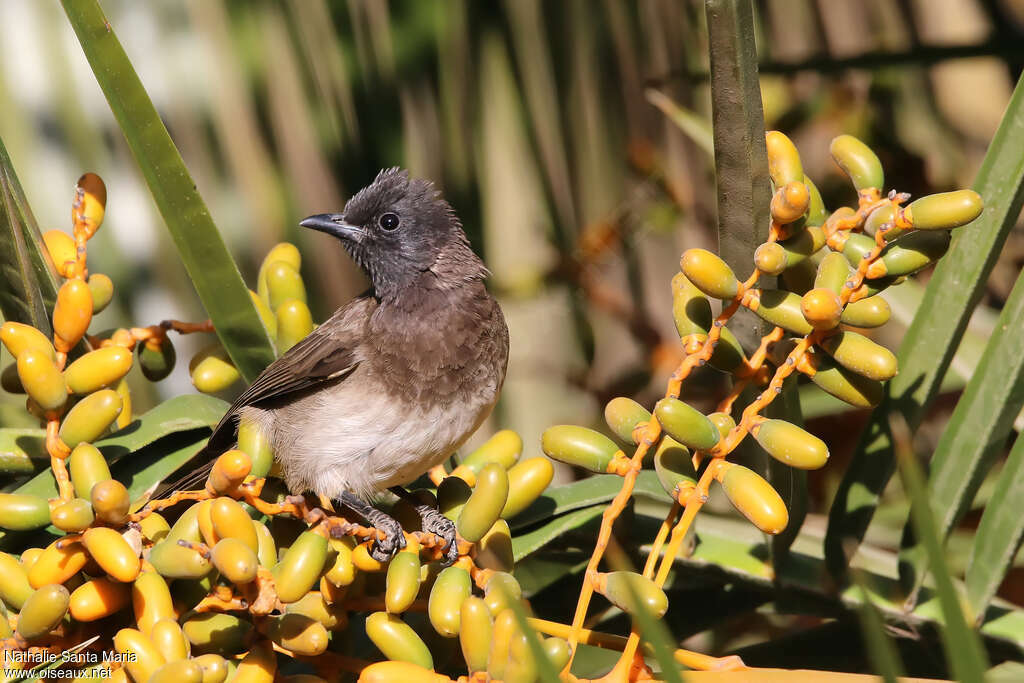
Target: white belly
[(339, 439)]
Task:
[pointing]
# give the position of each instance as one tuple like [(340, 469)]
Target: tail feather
[(221, 440)]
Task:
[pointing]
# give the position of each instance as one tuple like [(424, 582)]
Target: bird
[(397, 379)]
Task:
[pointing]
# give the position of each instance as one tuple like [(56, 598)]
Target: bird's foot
[(433, 522), (394, 537)]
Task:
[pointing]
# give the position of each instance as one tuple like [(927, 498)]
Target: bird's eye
[(389, 222)]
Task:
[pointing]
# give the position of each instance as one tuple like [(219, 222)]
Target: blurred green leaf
[(975, 433), (953, 292), (22, 451), (202, 250), (28, 282), (883, 654), (999, 533), (963, 649), (695, 126), (586, 492), (531, 541)]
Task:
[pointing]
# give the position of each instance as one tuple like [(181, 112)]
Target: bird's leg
[(394, 536), (433, 522)]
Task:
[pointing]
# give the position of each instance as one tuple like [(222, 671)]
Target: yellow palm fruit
[(447, 596), (72, 516), (151, 600), (578, 446), (858, 353), (505, 629), (61, 247), (258, 666), (230, 520), (673, 465), (89, 418), (403, 582), (253, 443), (157, 358), (42, 611), (475, 626), (300, 568), (18, 338), (235, 560), (178, 671), (214, 668), (397, 641), (945, 211), (504, 448), (23, 511), (266, 547), (211, 370), (229, 470), (816, 213), (452, 495), (283, 251), (71, 314), (342, 571), (294, 323), (494, 550), (770, 258), (98, 598), (141, 657), (187, 526), (873, 311), (691, 310), (87, 467), (755, 499), (501, 590), (844, 384), (42, 380), (98, 369), (685, 424), (623, 415), (90, 203), (858, 162), (387, 672), (527, 480), (790, 444), (299, 634), (177, 562), (557, 651), (821, 307), (783, 159), (113, 553), (266, 315), (632, 592), (101, 288), (154, 527), (169, 640), (709, 273), (521, 666), (219, 633), (781, 308), (57, 565), (110, 501), (14, 585), (313, 605), (790, 202), (283, 284), (485, 505)]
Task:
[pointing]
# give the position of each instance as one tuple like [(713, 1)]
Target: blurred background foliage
[(573, 139)]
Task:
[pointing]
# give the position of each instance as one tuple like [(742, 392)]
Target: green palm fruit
[(23, 511), (505, 629), (494, 550), (313, 605), (501, 590), (42, 380), (267, 316), (397, 641), (403, 582), (216, 632), (87, 468), (945, 211), (485, 505), (73, 516), (691, 310), (880, 217), (178, 671), (157, 360), (90, 417), (833, 272), (211, 370), (799, 277), (298, 633), (300, 568), (283, 251), (451, 589), (909, 254), (728, 354), (790, 444), (755, 499), (844, 384), (42, 611), (177, 562), (686, 425), (673, 465), (504, 448), (858, 353), (254, 443), (294, 322), (452, 495), (101, 287), (723, 423), (283, 284), (873, 311), (579, 446), (816, 213), (781, 308), (858, 162), (623, 415), (856, 247), (632, 592), (709, 273), (475, 627), (14, 585), (527, 480)]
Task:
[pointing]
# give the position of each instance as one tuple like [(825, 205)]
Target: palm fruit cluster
[(830, 269), (239, 580)]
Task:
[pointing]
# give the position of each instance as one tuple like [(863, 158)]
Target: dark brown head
[(397, 229)]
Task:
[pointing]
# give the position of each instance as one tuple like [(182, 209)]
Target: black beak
[(334, 224)]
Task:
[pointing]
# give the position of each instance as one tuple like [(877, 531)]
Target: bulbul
[(398, 378)]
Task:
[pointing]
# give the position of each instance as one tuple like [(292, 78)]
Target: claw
[(435, 523), (394, 541)]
